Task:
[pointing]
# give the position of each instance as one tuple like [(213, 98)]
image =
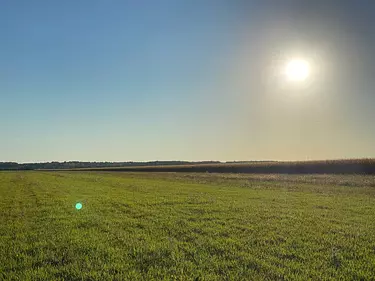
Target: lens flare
[(79, 206)]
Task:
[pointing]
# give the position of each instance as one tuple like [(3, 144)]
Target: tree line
[(78, 164)]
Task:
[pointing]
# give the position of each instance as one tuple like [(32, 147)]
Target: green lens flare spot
[(79, 206)]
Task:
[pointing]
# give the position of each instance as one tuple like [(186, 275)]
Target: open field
[(167, 226)]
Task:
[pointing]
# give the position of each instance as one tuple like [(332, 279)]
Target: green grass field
[(186, 226)]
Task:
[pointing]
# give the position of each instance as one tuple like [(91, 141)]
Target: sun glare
[(297, 70)]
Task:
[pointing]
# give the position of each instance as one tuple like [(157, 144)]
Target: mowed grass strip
[(167, 227)]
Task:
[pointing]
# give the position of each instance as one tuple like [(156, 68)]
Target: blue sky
[(184, 80)]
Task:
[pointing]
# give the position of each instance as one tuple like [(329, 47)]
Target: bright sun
[(297, 70)]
